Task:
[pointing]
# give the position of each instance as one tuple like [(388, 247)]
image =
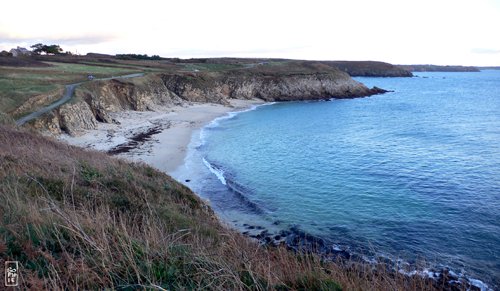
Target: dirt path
[(68, 93)]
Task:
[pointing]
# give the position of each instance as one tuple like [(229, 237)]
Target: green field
[(24, 78), (18, 84)]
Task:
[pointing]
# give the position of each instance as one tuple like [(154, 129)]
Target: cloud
[(61, 40), (257, 52), (486, 51)]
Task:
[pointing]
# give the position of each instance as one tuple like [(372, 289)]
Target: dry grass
[(78, 219), (18, 84)]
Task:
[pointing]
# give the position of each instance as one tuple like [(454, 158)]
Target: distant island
[(435, 68), (489, 68)]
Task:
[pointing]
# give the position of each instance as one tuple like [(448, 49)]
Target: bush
[(5, 118), (137, 57)]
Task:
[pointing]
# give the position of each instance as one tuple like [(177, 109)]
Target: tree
[(37, 48), (5, 54), (53, 49), (40, 48)]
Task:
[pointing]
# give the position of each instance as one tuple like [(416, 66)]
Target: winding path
[(68, 93)]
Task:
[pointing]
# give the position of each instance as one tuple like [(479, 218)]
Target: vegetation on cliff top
[(23, 78), (369, 69), (18, 84), (27, 89), (78, 219)]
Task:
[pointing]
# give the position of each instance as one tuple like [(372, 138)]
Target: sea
[(411, 176)]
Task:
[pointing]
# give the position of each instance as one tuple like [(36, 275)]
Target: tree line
[(53, 49), (137, 57)]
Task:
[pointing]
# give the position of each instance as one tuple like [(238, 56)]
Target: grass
[(211, 67), (18, 84), (78, 219), (43, 85)]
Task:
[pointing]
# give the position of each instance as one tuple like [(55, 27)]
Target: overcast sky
[(445, 32)]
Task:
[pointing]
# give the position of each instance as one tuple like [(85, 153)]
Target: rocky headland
[(94, 101), (370, 69), (98, 215)]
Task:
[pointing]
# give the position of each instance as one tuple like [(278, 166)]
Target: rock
[(48, 124), (376, 90), (219, 87), (94, 101), (300, 240), (76, 116)]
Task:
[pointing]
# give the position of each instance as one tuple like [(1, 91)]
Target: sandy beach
[(159, 138)]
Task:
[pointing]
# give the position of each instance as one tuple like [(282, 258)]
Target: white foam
[(479, 284), (214, 123), (426, 273), (219, 173)]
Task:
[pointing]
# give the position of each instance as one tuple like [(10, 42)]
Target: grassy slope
[(25, 78), (81, 219), (18, 84)]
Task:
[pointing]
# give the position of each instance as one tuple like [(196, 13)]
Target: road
[(68, 93)]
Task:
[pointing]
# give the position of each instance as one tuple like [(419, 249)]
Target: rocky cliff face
[(140, 94), (94, 101), (370, 69), (294, 86)]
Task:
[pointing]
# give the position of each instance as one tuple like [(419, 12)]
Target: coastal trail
[(68, 93)]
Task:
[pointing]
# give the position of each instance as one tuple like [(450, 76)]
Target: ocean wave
[(301, 240), (453, 278), (216, 122), (216, 171), (238, 191)]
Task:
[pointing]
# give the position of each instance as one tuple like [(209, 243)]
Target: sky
[(441, 32)]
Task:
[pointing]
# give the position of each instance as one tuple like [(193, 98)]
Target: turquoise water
[(413, 174)]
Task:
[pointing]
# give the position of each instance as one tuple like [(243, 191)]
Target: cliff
[(369, 69), (316, 82), (94, 101)]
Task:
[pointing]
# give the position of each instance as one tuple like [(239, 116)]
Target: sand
[(159, 138)]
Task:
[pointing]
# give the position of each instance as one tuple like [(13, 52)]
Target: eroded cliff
[(94, 101)]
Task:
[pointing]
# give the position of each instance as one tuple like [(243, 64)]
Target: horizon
[(453, 33)]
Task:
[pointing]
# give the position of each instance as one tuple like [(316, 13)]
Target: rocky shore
[(298, 240)]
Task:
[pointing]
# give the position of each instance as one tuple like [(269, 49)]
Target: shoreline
[(166, 149), (158, 138)]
